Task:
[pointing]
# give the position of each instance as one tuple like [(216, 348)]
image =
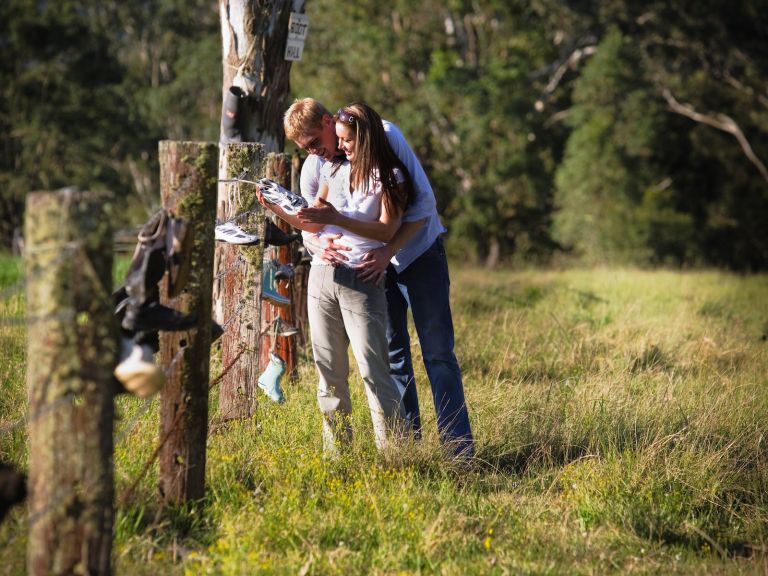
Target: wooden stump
[(188, 190), (71, 343)]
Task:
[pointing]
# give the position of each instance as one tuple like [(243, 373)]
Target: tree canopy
[(608, 132)]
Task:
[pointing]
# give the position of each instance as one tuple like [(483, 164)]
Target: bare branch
[(721, 122)]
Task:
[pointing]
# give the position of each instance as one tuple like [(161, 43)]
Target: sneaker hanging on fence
[(233, 234), (268, 287), (137, 371), (269, 381), (276, 194)]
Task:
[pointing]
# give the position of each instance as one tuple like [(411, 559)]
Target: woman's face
[(346, 137)]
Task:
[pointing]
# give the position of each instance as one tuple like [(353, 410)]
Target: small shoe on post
[(178, 249), (154, 316), (285, 272), (274, 236), (269, 381), (232, 115), (268, 287), (137, 371)]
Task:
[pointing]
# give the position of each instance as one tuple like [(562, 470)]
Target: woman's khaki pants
[(344, 310)]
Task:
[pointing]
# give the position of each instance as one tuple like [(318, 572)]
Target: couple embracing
[(375, 237)]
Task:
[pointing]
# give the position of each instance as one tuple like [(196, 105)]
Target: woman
[(363, 194)]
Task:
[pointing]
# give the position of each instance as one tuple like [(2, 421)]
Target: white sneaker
[(137, 370), (276, 194), (232, 233)]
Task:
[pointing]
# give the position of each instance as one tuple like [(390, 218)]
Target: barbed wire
[(239, 261)]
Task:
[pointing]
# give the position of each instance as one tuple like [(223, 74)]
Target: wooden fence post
[(278, 168), (237, 285), (300, 284), (71, 344), (188, 190)]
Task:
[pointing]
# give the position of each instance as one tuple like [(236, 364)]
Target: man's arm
[(376, 261)]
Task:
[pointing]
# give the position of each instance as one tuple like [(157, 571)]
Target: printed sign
[(298, 25)]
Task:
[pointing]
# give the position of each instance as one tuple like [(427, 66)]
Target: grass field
[(621, 420)]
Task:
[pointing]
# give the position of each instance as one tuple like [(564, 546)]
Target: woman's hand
[(323, 212)]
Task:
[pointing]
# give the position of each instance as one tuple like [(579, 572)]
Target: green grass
[(620, 417)]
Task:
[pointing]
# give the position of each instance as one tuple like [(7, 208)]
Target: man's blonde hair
[(304, 115)]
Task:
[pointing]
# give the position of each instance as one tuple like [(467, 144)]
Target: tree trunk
[(188, 191), (253, 38), (71, 343)]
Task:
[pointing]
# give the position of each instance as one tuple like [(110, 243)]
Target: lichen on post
[(71, 343)]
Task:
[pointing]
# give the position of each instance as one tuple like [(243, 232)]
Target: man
[(416, 275)]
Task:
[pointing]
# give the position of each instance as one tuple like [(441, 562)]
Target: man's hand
[(327, 249), (375, 263), (323, 212)]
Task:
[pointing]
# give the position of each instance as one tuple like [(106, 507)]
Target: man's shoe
[(232, 233), (276, 194), (269, 381), (268, 288), (274, 236), (137, 371)]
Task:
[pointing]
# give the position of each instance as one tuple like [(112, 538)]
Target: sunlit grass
[(620, 417)]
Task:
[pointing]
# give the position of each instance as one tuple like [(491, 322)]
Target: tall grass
[(620, 417)]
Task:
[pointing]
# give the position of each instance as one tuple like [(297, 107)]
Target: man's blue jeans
[(425, 286)]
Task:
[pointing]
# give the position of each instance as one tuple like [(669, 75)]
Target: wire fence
[(13, 323)]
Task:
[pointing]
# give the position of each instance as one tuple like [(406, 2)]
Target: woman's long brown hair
[(374, 157)]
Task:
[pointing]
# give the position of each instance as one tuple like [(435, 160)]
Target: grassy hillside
[(620, 417)]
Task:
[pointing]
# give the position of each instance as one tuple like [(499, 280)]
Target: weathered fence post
[(237, 284), (188, 190), (278, 168), (71, 343), (300, 284)]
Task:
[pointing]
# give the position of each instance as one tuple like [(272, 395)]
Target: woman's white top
[(354, 204)]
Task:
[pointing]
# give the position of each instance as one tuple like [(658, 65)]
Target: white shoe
[(137, 370), (232, 233), (276, 194)]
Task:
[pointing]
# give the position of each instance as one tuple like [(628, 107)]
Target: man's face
[(322, 141)]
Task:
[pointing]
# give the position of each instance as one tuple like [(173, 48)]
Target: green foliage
[(543, 125)]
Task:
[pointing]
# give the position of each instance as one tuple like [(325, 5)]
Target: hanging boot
[(269, 381)]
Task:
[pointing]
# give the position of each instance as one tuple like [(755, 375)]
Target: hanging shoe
[(276, 194), (269, 381), (274, 236), (217, 331), (268, 288), (233, 112), (154, 316), (280, 327), (149, 261), (284, 272), (178, 253), (137, 371), (233, 234), (13, 488), (302, 256)]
